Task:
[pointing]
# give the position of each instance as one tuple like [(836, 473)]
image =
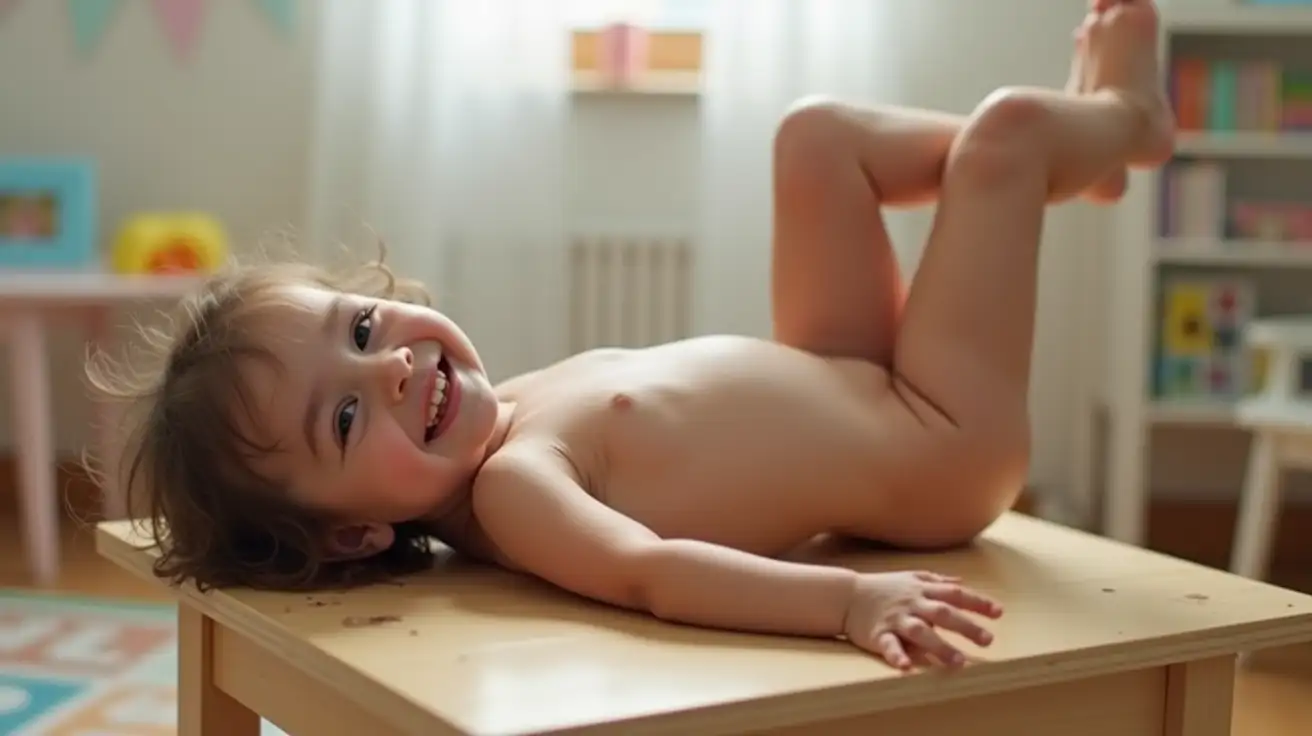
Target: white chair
[(1280, 419)]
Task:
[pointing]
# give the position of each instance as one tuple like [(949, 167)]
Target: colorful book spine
[(1269, 75), (1223, 96), (1168, 195), (1228, 95), (1296, 101), (1190, 88), (1194, 201)]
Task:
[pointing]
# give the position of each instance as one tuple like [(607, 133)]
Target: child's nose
[(397, 369)]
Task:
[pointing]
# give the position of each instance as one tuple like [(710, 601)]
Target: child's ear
[(358, 541)]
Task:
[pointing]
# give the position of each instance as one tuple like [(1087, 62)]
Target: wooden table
[(1099, 638)]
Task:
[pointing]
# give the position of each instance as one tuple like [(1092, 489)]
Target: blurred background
[(563, 175), (479, 142)]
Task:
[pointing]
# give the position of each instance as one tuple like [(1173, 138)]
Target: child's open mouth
[(442, 404)]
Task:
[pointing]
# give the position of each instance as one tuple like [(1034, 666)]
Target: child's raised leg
[(836, 285), (962, 361)]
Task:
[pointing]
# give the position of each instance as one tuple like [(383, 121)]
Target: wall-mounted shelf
[(1236, 18), (1237, 253), (665, 84), (1245, 143)]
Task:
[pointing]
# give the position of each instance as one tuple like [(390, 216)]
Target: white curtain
[(441, 126), (761, 56)]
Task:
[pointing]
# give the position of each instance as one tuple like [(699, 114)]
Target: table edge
[(393, 707), (794, 708)]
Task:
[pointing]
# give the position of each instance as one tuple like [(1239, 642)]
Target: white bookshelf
[(1258, 165)]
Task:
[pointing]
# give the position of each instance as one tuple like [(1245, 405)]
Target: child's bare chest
[(725, 439)]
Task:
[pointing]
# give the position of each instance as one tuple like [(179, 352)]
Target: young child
[(306, 431)]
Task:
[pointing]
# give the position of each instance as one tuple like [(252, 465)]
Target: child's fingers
[(964, 598), (888, 646), (953, 619), (919, 633)]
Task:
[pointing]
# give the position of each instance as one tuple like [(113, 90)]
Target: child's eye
[(345, 417), (363, 328)]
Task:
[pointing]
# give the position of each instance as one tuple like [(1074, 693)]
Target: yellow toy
[(1201, 354), (163, 243)]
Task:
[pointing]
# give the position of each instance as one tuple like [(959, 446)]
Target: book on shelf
[(1196, 204), (1193, 200), (1227, 95)]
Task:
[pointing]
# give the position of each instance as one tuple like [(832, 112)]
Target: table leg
[(107, 425), (35, 445), (1200, 697), (203, 709)]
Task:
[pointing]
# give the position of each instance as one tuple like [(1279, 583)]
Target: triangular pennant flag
[(89, 20), (181, 20), (283, 13)]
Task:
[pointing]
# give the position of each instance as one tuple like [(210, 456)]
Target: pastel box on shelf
[(1202, 355), (1276, 221), (163, 243)]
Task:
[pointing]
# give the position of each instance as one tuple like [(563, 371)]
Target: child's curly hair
[(188, 466)]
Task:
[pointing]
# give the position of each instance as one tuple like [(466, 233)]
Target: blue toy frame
[(73, 184)]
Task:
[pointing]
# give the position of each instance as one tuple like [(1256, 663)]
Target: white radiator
[(629, 290)]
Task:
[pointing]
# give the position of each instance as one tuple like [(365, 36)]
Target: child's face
[(352, 407)]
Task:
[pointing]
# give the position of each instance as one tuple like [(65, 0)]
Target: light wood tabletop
[(1095, 632)]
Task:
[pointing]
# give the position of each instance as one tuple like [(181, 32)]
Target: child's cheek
[(398, 455)]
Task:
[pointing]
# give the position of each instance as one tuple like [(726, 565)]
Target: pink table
[(30, 304)]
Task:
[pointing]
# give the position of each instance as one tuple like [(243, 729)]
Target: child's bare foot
[(1122, 59), (1112, 187)]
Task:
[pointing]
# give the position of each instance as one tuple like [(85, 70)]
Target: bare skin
[(671, 479)]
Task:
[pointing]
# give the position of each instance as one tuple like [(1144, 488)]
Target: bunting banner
[(90, 18), (281, 12), (180, 20)]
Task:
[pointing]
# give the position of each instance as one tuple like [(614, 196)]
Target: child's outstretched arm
[(544, 523)]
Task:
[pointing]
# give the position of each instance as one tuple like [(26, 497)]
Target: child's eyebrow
[(315, 402)]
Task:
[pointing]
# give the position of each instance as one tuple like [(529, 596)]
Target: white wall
[(229, 133)]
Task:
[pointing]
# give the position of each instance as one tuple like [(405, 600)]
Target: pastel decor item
[(90, 18), (48, 213), (169, 243), (282, 12), (1201, 351), (181, 21), (623, 53)]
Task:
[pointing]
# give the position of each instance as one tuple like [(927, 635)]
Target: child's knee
[(1000, 140), (811, 125), (1008, 115)]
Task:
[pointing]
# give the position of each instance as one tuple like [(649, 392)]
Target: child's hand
[(896, 616)]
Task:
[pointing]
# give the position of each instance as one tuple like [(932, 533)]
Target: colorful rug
[(75, 666)]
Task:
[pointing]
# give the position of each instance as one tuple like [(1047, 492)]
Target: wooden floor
[(1274, 695)]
